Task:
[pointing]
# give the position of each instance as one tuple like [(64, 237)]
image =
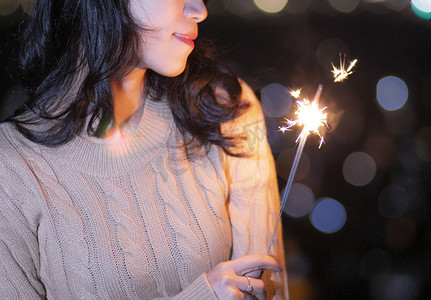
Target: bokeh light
[(393, 201), (397, 5), (8, 6), (271, 6), (395, 286), (275, 100), (423, 14), (345, 6), (300, 200), (328, 215), (359, 169), (284, 164), (297, 6), (392, 93), (27, 5), (423, 5), (422, 8), (239, 7)]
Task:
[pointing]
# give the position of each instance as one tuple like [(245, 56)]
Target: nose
[(196, 10)]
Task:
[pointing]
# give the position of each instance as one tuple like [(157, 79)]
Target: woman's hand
[(230, 279)]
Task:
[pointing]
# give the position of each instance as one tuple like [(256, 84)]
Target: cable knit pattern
[(130, 217)]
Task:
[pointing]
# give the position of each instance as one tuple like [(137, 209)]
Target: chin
[(172, 71), (170, 67)]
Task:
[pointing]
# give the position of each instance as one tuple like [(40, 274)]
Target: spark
[(340, 74), (296, 93), (309, 116)]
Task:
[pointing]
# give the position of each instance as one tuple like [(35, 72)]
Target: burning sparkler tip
[(309, 115)]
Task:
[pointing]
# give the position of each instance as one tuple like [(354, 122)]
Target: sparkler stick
[(311, 117), (287, 188)]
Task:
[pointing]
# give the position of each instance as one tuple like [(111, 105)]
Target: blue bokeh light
[(328, 215), (392, 93)]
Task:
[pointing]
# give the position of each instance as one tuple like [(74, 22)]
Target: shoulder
[(20, 193), (251, 124), (248, 96), (9, 141), (16, 173), (12, 143), (251, 115), (247, 93)]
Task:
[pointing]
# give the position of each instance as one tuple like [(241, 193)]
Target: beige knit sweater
[(131, 217)]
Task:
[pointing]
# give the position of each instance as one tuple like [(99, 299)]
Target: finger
[(251, 286), (249, 297), (255, 261), (255, 273)]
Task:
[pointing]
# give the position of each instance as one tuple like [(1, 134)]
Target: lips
[(186, 38)]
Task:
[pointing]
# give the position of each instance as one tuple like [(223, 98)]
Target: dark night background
[(383, 250)]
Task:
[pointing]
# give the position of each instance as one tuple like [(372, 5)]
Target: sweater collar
[(125, 151)]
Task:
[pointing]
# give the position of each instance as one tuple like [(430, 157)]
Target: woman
[(127, 174)]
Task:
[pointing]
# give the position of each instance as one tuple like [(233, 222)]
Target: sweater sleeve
[(253, 196), (19, 263), (197, 290)]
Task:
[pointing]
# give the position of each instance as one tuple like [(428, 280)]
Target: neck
[(128, 95)]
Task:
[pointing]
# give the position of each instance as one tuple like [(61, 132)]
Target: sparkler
[(311, 117), (342, 73)]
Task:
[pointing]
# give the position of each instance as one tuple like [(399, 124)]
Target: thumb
[(254, 262)]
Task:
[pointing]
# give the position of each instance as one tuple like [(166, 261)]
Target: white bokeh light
[(394, 286), (392, 93), (239, 7), (397, 5), (27, 5), (271, 6), (300, 200), (7, 7), (422, 8), (359, 169), (345, 6), (298, 6), (275, 100), (328, 215), (423, 5)]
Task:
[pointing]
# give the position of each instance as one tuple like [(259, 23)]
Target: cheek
[(155, 14)]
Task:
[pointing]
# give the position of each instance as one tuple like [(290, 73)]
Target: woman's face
[(170, 28)]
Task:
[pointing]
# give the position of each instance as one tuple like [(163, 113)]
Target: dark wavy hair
[(71, 52)]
